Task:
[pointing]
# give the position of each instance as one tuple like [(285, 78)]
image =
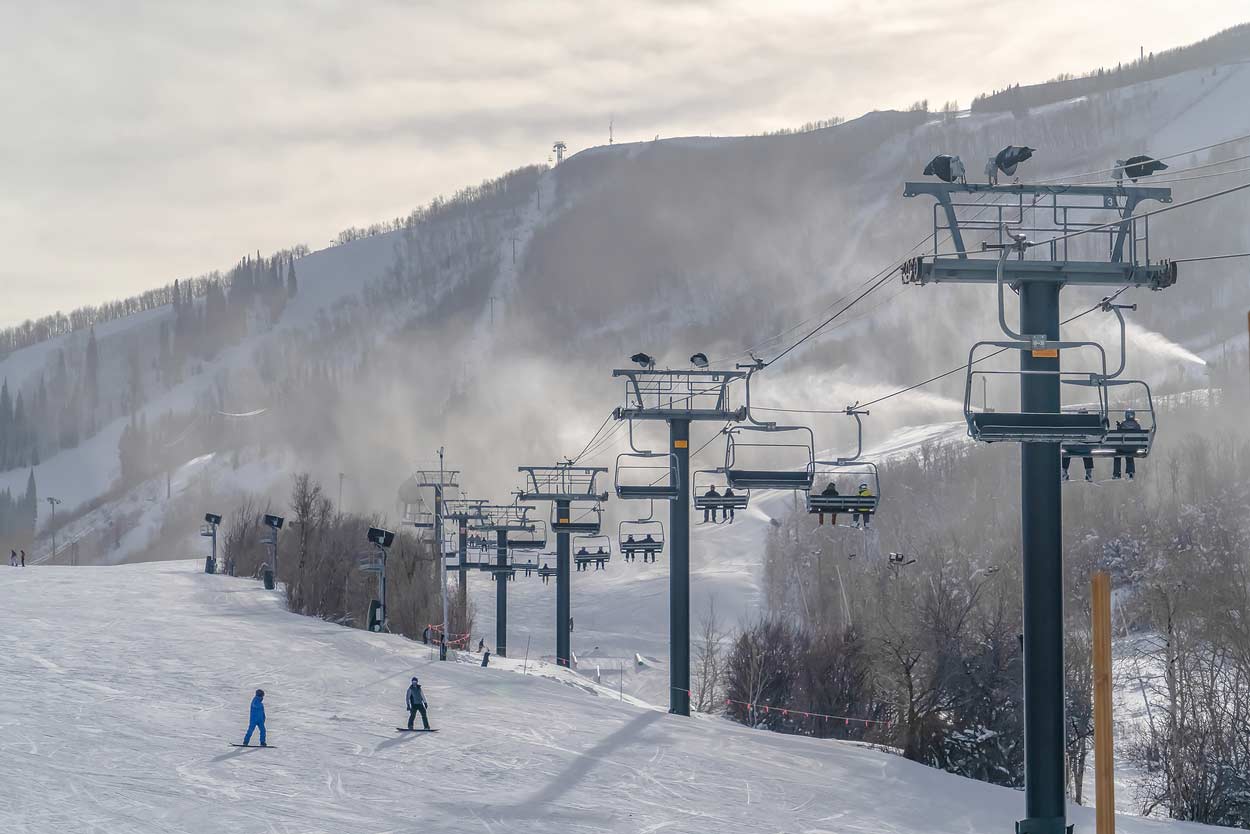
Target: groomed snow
[(121, 687)]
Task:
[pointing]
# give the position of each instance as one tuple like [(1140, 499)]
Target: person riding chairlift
[(648, 554), (1129, 423), (629, 551), (711, 493), (864, 512), (831, 489), (727, 512)]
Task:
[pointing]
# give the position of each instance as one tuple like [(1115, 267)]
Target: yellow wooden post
[(1104, 756)]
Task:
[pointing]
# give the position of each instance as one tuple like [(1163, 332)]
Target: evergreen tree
[(92, 372), (6, 425), (30, 504), (292, 284)]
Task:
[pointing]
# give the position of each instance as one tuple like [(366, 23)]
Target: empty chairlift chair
[(647, 475), (1081, 425), (585, 518), (533, 539), (755, 460)]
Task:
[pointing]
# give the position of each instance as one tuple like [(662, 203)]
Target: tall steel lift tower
[(463, 511), (440, 480), (571, 489), (502, 519), (1087, 236), (679, 398)]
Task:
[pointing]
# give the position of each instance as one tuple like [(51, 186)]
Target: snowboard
[(406, 730), (249, 746)]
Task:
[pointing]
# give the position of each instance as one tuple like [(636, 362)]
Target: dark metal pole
[(501, 594), (563, 612), (679, 573), (1040, 526), (462, 571)]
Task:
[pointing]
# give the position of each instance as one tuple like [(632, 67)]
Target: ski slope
[(121, 688)]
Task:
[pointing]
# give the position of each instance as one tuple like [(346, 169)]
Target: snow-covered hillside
[(125, 730)]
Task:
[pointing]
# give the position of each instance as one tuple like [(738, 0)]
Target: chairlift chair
[(584, 518), (851, 468), (707, 479), (861, 472), (643, 474), (1084, 426), (746, 445), (647, 475), (1120, 442), (527, 567), (533, 539), (742, 472), (644, 535), (598, 550)]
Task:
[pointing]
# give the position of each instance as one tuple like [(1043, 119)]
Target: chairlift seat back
[(800, 479), (817, 503), (1069, 427), (721, 502)]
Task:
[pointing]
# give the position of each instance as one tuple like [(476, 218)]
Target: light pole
[(52, 502)]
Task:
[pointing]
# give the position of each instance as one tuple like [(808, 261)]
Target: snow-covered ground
[(121, 687)]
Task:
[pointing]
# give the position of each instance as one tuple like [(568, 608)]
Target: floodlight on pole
[(52, 502)]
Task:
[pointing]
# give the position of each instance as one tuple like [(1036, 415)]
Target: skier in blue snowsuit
[(257, 719)]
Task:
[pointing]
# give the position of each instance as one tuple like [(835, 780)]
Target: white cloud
[(148, 141)]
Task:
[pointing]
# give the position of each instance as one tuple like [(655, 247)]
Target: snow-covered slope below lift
[(122, 687)]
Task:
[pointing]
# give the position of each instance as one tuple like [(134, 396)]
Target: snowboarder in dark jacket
[(256, 720), (416, 703)]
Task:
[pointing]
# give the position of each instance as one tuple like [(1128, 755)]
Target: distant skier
[(481, 645), (485, 658), (416, 703), (425, 636), (23, 557), (256, 720), (13, 558)]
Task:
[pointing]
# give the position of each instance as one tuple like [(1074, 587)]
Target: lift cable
[(1114, 168), (931, 379)]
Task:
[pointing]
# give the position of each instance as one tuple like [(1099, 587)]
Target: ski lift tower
[(440, 480), (1061, 235), (463, 511), (565, 485), (559, 147), (502, 519), (679, 398)]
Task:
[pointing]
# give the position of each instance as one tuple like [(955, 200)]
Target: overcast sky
[(141, 142)]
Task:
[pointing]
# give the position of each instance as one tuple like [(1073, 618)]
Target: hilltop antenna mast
[(1041, 426), (611, 119)]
